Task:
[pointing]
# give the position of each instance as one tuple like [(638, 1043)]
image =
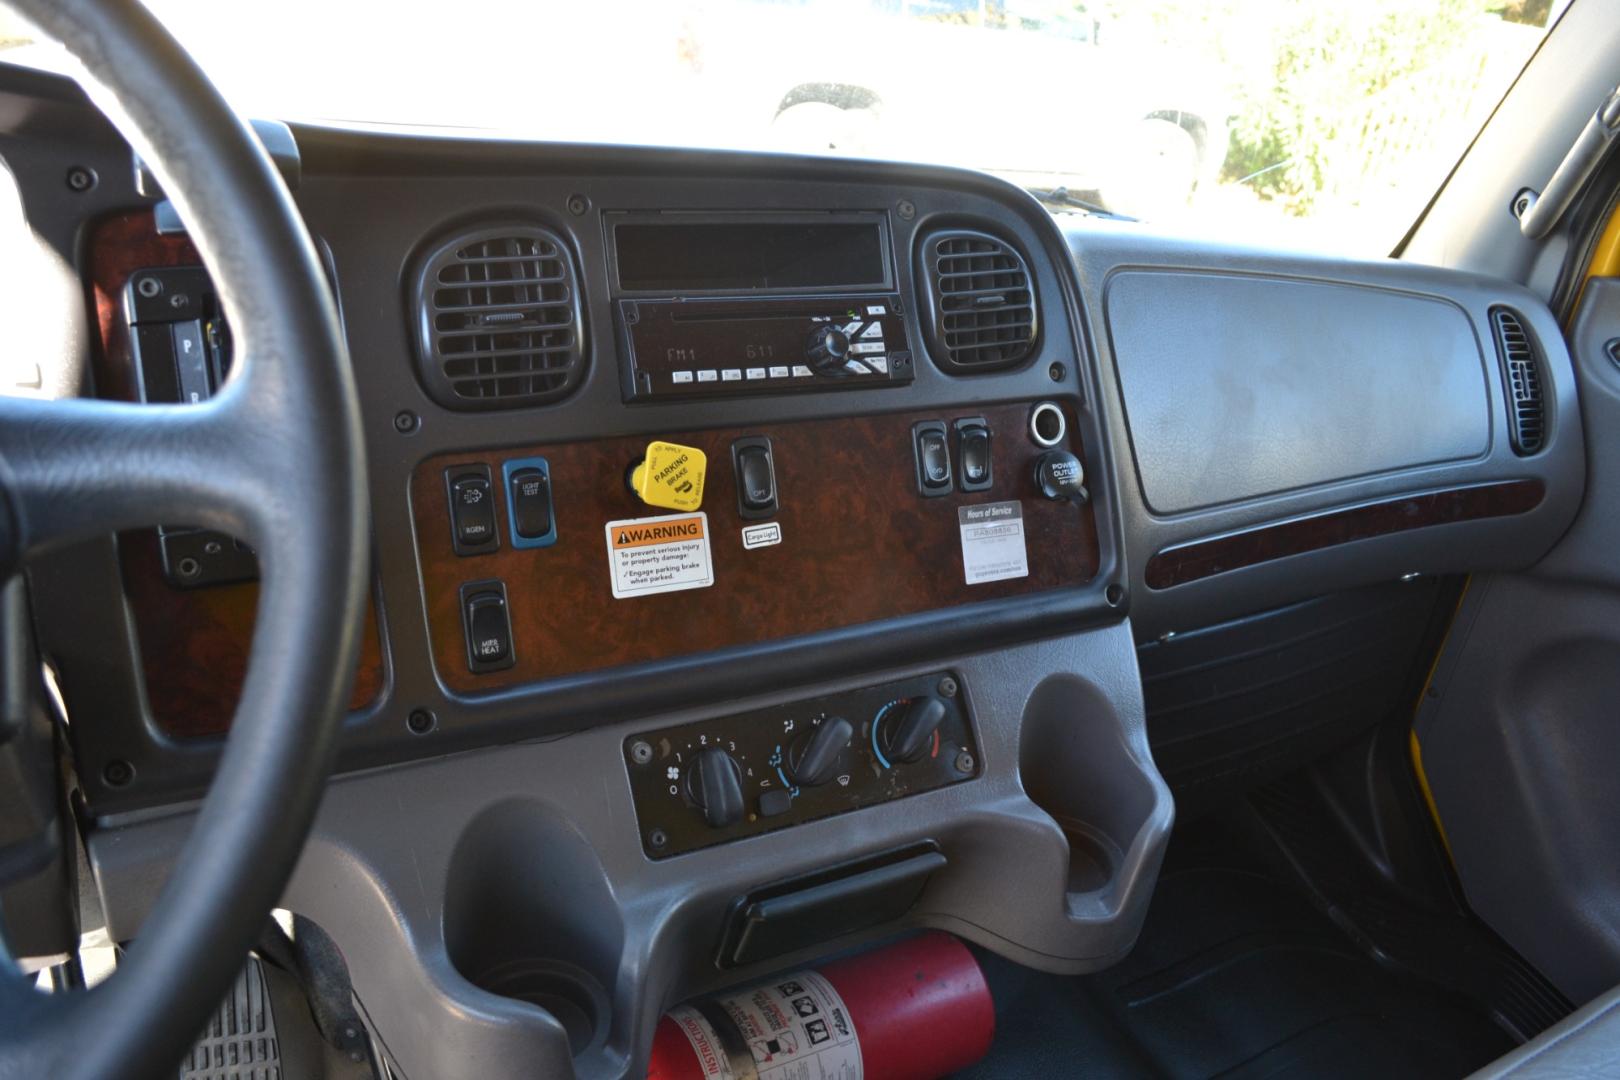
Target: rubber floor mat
[(1236, 974)]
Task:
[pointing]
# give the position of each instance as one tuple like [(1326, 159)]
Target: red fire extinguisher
[(916, 1010)]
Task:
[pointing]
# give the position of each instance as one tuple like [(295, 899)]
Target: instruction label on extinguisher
[(797, 1028)]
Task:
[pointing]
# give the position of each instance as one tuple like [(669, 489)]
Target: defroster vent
[(498, 319), (1521, 367), (979, 302)]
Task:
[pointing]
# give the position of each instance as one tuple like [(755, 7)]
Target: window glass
[(1298, 122)]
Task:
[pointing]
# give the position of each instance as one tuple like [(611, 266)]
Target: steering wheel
[(275, 458)]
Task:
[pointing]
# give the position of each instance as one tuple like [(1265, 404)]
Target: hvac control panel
[(714, 781)]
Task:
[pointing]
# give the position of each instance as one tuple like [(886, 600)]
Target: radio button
[(879, 364), (680, 376), (756, 373), (864, 348), (801, 372), (875, 330), (708, 375), (779, 372), (731, 374)]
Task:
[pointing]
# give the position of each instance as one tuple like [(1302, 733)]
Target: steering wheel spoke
[(275, 459), (75, 468)]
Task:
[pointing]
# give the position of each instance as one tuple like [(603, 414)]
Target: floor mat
[(1236, 974)]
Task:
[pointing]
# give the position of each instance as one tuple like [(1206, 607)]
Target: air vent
[(1527, 408), (979, 302), (499, 322)]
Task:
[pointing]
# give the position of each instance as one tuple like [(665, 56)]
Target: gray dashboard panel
[(1519, 738), (1239, 386), (1105, 252), (533, 849)]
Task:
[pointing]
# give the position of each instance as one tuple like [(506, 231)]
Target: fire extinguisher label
[(796, 1028)]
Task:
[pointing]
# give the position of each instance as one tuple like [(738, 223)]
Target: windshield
[(1296, 122)]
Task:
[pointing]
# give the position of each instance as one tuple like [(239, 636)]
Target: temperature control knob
[(827, 350), (715, 784), (817, 760), (906, 736)]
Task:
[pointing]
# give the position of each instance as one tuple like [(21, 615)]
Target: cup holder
[(529, 915), (1077, 765), (568, 992), (1093, 857)]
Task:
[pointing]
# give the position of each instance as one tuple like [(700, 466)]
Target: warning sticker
[(796, 1029), (659, 554), (993, 541)]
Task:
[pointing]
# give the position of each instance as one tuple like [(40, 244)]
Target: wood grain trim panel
[(859, 544), (1199, 559), (193, 642)]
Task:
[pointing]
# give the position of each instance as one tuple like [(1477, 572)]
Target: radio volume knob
[(827, 350)]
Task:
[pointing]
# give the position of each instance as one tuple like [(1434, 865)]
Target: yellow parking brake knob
[(671, 475)]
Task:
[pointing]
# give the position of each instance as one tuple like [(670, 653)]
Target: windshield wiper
[(1060, 197)]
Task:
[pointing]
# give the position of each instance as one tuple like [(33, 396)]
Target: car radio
[(713, 305)]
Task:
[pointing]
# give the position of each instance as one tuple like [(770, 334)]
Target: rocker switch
[(488, 626), (933, 457), (973, 442), (756, 477), (472, 509), (531, 503)]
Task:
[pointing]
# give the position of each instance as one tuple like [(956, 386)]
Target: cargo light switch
[(756, 477)]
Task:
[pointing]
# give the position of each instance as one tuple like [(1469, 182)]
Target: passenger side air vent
[(498, 319), (979, 302), (1521, 365)]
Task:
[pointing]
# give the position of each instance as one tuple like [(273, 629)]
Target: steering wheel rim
[(276, 459)]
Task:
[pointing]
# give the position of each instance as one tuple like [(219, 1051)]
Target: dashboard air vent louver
[(1521, 364), (498, 319), (980, 309)]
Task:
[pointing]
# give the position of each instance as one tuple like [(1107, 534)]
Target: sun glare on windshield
[(1284, 121)]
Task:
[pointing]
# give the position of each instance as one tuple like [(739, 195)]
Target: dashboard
[(751, 527)]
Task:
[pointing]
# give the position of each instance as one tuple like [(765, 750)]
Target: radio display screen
[(745, 256)]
